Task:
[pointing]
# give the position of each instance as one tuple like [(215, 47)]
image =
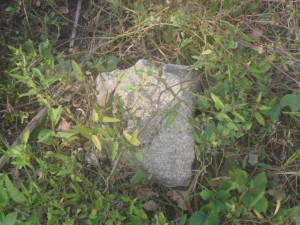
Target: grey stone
[(159, 101)]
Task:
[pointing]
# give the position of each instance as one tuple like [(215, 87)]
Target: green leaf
[(139, 156), (218, 103), (137, 177), (259, 183), (223, 117), (3, 198), (25, 136), (239, 176), (275, 112), (37, 73), (54, 114), (77, 71), (259, 118), (95, 116), (207, 194), (110, 120), (183, 220), (238, 116), (212, 218), (45, 136), (111, 63), (132, 138), (202, 102), (114, 150), (82, 130), (260, 204), (197, 218), (96, 142), (291, 100), (171, 115), (10, 219), (292, 158), (13, 192)]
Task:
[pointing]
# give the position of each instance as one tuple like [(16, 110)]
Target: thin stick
[(74, 30)]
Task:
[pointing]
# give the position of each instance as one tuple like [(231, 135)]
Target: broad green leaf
[(212, 218), (66, 133), (202, 102), (292, 158), (259, 118), (3, 198), (260, 203), (54, 114), (259, 183), (137, 177), (111, 63), (25, 136), (223, 117), (232, 126), (197, 218), (10, 219), (291, 100), (110, 120), (37, 73), (77, 71), (183, 220), (275, 112), (239, 176), (13, 192), (238, 116), (139, 156), (82, 130), (57, 155), (207, 194), (218, 103), (45, 136), (96, 142)]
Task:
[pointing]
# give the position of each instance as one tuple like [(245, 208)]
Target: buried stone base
[(159, 101)]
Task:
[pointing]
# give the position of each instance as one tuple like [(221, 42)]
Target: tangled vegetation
[(60, 152)]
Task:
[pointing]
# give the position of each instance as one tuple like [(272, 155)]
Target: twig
[(73, 35)]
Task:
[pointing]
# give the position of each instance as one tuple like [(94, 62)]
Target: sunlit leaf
[(207, 52), (259, 118), (95, 116), (25, 136), (96, 142), (218, 103), (107, 119)]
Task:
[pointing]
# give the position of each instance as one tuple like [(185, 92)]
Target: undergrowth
[(67, 170)]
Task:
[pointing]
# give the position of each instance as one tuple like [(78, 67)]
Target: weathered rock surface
[(159, 101)]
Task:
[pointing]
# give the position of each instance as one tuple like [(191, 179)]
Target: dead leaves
[(179, 197)]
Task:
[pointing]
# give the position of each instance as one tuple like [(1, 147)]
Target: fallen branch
[(74, 30)]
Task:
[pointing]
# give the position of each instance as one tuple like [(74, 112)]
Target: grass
[(246, 125)]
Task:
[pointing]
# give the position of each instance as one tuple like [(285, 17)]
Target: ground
[(246, 126)]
